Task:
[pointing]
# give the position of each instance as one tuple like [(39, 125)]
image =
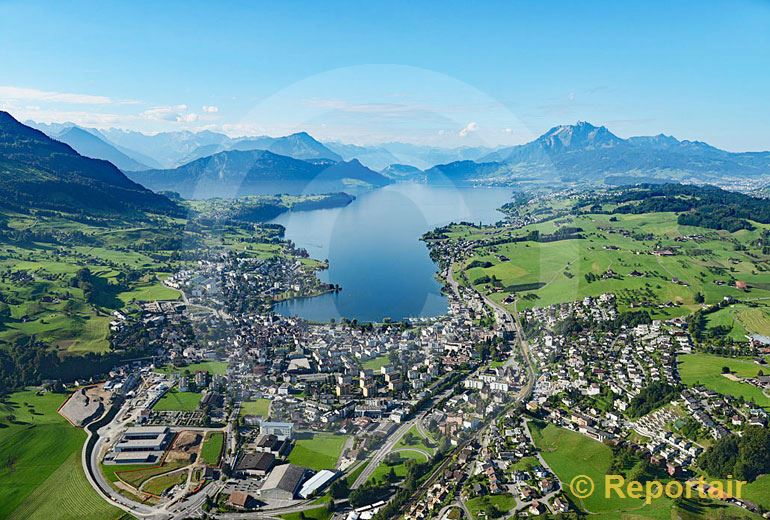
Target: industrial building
[(144, 438), (317, 482), (255, 464), (283, 482)]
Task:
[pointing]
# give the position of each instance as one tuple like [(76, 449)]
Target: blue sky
[(444, 73)]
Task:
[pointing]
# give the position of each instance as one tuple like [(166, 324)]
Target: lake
[(374, 250)]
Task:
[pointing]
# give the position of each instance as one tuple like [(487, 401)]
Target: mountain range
[(257, 172), (172, 149), (39, 172), (568, 153), (299, 146), (587, 153)]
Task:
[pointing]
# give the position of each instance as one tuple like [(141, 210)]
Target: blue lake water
[(374, 250)]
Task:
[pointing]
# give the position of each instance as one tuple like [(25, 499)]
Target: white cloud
[(469, 129), (210, 109), (187, 118), (31, 94), (508, 131), (176, 113)]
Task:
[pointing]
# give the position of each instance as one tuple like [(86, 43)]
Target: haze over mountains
[(259, 172), (586, 153), (187, 162)]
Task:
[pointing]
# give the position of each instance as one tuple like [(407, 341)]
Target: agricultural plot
[(641, 258), (40, 472), (317, 451), (480, 506), (741, 320), (706, 369)]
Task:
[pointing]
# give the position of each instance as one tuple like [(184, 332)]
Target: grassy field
[(212, 448), (317, 450), (160, 484), (260, 407), (742, 320), (376, 363), (175, 400), (382, 471), (706, 369), (40, 473), (504, 503), (571, 454), (149, 292), (319, 513), (213, 367), (137, 474), (419, 442), (543, 273)]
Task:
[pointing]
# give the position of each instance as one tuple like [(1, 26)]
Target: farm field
[(212, 448), (175, 400), (543, 273), (317, 451), (40, 473), (571, 454), (742, 320), (758, 491), (260, 407), (149, 292), (706, 369)]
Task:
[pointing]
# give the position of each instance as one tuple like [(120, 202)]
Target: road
[(381, 453), (511, 323)]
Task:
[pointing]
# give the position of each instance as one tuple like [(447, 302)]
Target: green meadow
[(176, 401), (260, 407), (383, 470), (317, 451), (212, 367), (212, 448), (543, 273), (571, 454), (41, 475), (706, 370)]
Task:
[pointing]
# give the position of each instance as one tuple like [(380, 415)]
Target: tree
[(340, 488)]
